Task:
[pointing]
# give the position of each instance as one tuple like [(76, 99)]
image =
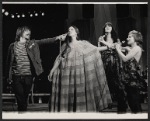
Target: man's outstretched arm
[(51, 40)]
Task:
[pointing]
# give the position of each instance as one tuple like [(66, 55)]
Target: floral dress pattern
[(131, 76), (112, 66), (133, 83)]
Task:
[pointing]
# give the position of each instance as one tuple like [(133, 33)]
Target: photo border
[(123, 1)]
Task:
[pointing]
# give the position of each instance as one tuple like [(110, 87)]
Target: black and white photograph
[(74, 60)]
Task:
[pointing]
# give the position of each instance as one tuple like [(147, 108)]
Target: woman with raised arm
[(112, 65), (78, 77), (132, 78)]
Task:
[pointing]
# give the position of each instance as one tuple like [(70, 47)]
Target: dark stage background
[(89, 18)]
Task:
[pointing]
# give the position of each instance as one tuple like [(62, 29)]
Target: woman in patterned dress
[(78, 77), (132, 79), (112, 65)]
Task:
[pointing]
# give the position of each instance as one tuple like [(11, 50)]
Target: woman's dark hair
[(68, 38), (20, 31), (113, 32), (77, 31)]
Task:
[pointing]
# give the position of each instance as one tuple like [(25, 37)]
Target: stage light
[(23, 15), (43, 14), (36, 14), (18, 16), (3, 10), (31, 15), (6, 13), (12, 16)]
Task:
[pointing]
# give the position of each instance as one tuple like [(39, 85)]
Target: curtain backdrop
[(90, 27)]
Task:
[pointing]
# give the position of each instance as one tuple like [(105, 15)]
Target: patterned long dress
[(112, 68), (134, 83), (131, 75), (79, 83)]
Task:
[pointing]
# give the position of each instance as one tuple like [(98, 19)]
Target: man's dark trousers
[(22, 86)]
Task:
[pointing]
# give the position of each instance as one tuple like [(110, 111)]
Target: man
[(24, 63)]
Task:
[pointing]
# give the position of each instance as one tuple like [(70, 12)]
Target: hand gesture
[(127, 48), (61, 37), (111, 46), (9, 81), (50, 75), (101, 39), (117, 46)]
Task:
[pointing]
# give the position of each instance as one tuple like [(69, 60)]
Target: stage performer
[(78, 77)]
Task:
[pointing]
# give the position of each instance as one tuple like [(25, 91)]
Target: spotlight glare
[(31, 15), (23, 15), (3, 10), (18, 16), (36, 14), (43, 14), (12, 16), (6, 13)]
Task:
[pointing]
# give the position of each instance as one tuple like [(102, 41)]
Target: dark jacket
[(33, 54)]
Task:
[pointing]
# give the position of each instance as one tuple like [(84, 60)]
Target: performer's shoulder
[(83, 41), (11, 44)]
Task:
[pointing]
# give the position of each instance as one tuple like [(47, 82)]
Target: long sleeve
[(7, 66), (38, 59), (46, 40)]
